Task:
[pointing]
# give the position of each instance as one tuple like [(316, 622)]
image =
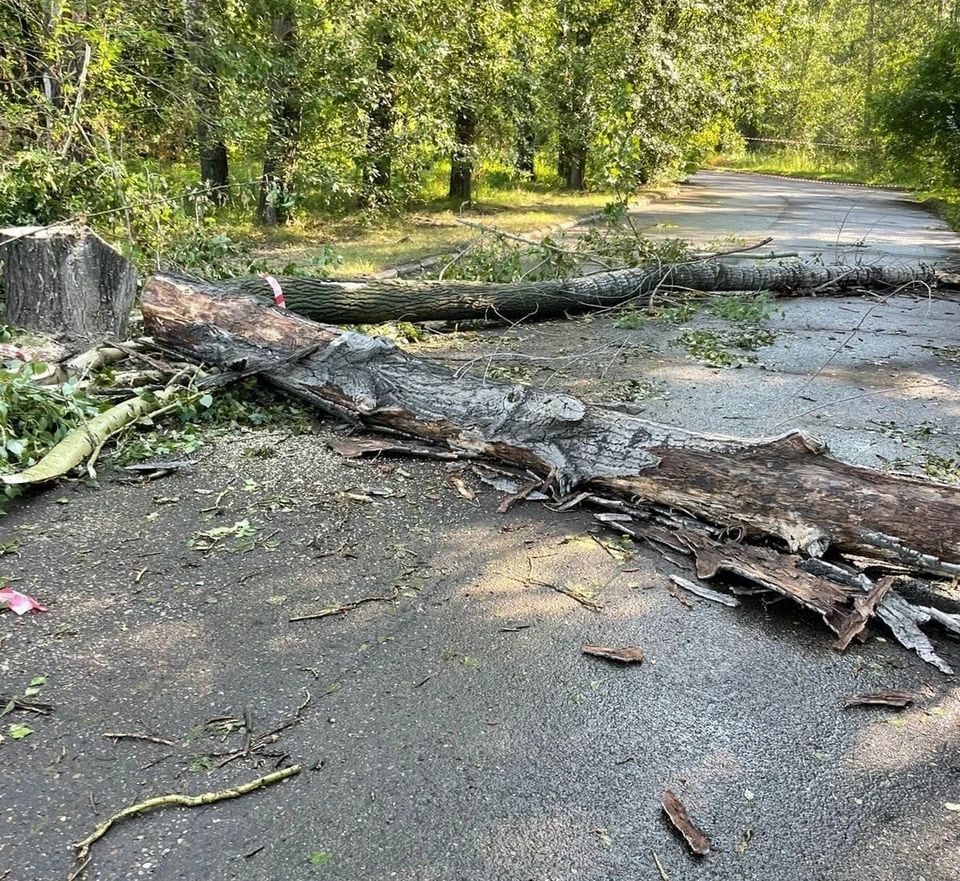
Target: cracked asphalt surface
[(456, 731)]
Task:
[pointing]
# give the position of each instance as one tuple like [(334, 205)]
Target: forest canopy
[(136, 116)]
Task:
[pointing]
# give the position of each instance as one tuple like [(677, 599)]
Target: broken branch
[(188, 801)]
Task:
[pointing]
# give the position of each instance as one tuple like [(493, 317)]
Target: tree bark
[(376, 167), (373, 301), (283, 133), (786, 487), (461, 160), (66, 281), (775, 492), (211, 149)]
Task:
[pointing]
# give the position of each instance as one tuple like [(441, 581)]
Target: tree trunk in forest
[(66, 281), (526, 150), (283, 132), (461, 159), (572, 163), (376, 165), (572, 120), (785, 489), (377, 300), (212, 152)]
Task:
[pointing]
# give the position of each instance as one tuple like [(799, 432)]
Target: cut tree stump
[(785, 493), (377, 300), (66, 281)]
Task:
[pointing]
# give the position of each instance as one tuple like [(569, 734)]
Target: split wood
[(187, 801)]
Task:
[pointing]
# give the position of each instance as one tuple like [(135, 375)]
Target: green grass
[(369, 242), (367, 245), (817, 164)]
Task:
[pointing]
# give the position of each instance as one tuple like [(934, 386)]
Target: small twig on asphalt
[(347, 607), (216, 505), (663, 872), (149, 738), (188, 801), (574, 594), (257, 745), (79, 870), (25, 704)]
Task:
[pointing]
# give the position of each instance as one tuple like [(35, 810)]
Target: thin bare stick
[(149, 738), (82, 82), (742, 250), (187, 801), (347, 607)]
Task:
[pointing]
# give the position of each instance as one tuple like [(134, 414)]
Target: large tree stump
[(66, 280)]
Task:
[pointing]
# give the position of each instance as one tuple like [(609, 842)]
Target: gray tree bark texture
[(785, 487), (375, 301), (66, 281)]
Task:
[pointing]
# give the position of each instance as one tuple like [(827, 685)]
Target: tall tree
[(199, 28), (283, 128)]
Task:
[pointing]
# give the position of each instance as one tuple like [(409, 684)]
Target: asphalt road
[(832, 222), (458, 733)]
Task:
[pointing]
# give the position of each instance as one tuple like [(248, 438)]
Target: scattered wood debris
[(675, 810), (625, 654), (458, 483), (889, 697)]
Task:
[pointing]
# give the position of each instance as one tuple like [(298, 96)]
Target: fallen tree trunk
[(377, 300), (785, 486)]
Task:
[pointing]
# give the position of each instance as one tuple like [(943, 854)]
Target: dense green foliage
[(154, 122)]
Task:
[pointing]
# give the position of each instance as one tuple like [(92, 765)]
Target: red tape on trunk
[(275, 287)]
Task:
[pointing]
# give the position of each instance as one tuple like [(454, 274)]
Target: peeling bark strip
[(786, 486), (373, 301), (674, 809), (625, 654)]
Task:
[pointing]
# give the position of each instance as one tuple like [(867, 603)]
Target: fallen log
[(378, 300), (787, 488)]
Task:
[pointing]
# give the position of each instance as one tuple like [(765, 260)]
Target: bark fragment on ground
[(785, 489), (888, 698), (677, 812)]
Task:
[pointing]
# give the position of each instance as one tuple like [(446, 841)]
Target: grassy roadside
[(361, 244), (842, 167)]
